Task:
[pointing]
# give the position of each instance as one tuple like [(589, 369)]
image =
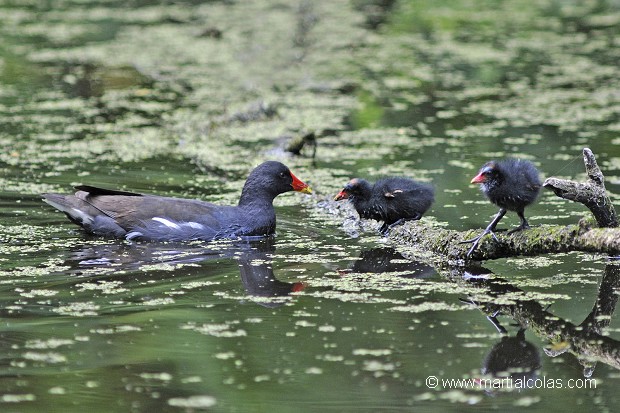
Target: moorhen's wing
[(392, 188), (398, 189), (405, 198), (522, 187), (163, 218), (127, 214), (393, 194)]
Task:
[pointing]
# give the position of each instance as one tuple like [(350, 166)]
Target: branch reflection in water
[(586, 341), (388, 260)]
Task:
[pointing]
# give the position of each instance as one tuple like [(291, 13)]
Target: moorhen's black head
[(489, 176), (356, 188), (269, 180)]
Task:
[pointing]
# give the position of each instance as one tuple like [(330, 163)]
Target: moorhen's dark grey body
[(156, 218), (391, 200), (511, 184)]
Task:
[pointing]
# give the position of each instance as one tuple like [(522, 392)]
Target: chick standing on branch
[(511, 184)]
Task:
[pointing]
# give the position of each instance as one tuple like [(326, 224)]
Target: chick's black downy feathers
[(512, 185), (391, 200)]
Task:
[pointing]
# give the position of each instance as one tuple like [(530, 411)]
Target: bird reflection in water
[(254, 257), (513, 357), (257, 277)]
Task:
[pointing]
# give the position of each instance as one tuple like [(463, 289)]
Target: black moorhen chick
[(156, 218), (511, 184), (391, 200)]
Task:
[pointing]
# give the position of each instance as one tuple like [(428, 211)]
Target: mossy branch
[(545, 239), (591, 193)]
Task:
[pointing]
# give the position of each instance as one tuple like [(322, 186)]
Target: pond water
[(325, 316)]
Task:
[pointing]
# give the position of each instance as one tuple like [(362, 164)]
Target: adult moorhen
[(391, 200), (511, 184), (156, 218)]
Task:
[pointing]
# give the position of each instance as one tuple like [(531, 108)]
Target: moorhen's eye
[(282, 174)]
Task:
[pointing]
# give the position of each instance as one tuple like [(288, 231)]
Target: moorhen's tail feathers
[(78, 210), (84, 214)]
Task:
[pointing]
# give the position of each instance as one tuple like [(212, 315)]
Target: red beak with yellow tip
[(299, 185)]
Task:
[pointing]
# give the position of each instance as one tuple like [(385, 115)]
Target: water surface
[(327, 315)]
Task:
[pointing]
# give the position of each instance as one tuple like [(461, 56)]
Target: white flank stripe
[(167, 223), (194, 225), (84, 217), (133, 234)]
